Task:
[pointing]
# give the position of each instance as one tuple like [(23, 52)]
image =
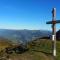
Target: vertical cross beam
[(53, 22), (54, 32)]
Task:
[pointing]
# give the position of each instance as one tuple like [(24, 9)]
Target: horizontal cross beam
[(53, 22)]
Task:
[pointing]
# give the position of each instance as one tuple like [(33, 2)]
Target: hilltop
[(39, 49)]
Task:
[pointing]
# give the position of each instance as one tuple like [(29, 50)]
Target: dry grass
[(38, 50)]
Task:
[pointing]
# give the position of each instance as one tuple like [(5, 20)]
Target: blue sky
[(27, 14)]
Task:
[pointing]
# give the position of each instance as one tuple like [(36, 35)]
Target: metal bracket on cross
[(53, 22)]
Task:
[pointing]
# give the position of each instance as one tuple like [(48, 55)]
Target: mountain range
[(22, 36)]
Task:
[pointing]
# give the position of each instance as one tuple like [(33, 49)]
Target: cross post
[(53, 22)]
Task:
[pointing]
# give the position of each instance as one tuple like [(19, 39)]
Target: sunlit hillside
[(39, 49)]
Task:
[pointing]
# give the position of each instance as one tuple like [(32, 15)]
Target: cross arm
[(53, 22)]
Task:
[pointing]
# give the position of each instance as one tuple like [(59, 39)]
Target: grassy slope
[(58, 50), (42, 48), (45, 47), (4, 44), (38, 50)]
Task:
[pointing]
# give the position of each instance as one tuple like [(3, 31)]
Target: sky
[(28, 14)]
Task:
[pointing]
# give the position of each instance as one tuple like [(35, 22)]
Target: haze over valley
[(23, 36)]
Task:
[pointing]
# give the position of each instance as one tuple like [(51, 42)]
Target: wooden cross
[(53, 22)]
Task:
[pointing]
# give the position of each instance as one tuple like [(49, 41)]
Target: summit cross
[(53, 22)]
